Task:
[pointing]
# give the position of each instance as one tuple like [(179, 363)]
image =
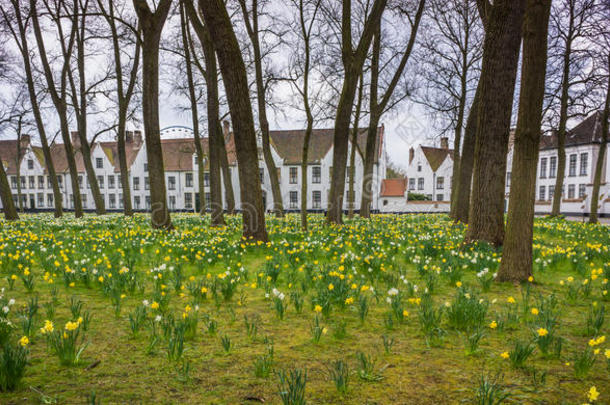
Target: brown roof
[(289, 144), (436, 156), (393, 187), (588, 131), (178, 153), (8, 152)]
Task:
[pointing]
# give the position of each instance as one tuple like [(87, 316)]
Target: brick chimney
[(137, 137), (444, 142), (411, 154), (128, 136), (25, 140), (75, 139)]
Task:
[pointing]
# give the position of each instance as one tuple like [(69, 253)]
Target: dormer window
[(30, 164), (419, 167)]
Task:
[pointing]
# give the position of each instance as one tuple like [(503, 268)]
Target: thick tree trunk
[(236, 85), (226, 173), (65, 135), (8, 206), (457, 141), (599, 165), (516, 262), (369, 162), (498, 76), (152, 25), (127, 208), (464, 179), (351, 195)]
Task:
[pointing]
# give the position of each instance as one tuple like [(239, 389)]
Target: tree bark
[(152, 25), (236, 85), (516, 262), (498, 76), (599, 165), (20, 37), (353, 61), (18, 167), (8, 206), (351, 197), (226, 173), (253, 31), (464, 179), (59, 97)]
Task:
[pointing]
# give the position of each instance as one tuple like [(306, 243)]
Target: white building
[(430, 171), (181, 171)]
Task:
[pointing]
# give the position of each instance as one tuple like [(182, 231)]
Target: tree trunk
[(152, 25), (65, 134), (599, 165), (351, 196), (18, 168), (498, 76), (464, 179), (226, 173), (516, 262), (457, 141), (127, 208), (8, 206), (236, 85), (304, 165)]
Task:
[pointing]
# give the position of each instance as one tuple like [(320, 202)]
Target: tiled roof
[(393, 187), (178, 153), (588, 131), (8, 152), (436, 156), (112, 152)]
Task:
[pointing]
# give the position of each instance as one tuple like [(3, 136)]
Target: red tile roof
[(393, 187)]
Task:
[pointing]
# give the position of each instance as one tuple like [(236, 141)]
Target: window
[(136, 202), (572, 171), (60, 181), (189, 180), (553, 167), (584, 157), (49, 182), (32, 182), (206, 179), (100, 181), (571, 191), (440, 183), (147, 201), (551, 192), (508, 174), (208, 199), (22, 179), (146, 183), (543, 168), (261, 172), (171, 182), (293, 175), (145, 167), (40, 182), (385, 202), (80, 181), (99, 163), (439, 197), (71, 200), (582, 191), (188, 200), (419, 167), (172, 202), (316, 175), (119, 181), (294, 199), (420, 183), (40, 197), (89, 183), (49, 200), (411, 183), (13, 181), (111, 181), (120, 200), (30, 164), (83, 198), (136, 183), (316, 197), (112, 201), (542, 193)]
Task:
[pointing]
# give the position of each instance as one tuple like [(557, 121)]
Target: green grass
[(117, 368)]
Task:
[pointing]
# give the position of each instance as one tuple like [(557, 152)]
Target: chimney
[(444, 142), (225, 128), (25, 141), (137, 137), (128, 136), (75, 139), (411, 154)]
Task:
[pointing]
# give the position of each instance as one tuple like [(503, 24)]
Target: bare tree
[(379, 103), (452, 48), (353, 61), (251, 20), (235, 78), (152, 24), (498, 77), (125, 87), (517, 258), (8, 114), (17, 23)]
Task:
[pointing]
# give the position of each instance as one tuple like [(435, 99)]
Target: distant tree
[(7, 114), (235, 78), (517, 257), (152, 24), (498, 76)]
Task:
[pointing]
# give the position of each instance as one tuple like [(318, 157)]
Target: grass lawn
[(392, 310)]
